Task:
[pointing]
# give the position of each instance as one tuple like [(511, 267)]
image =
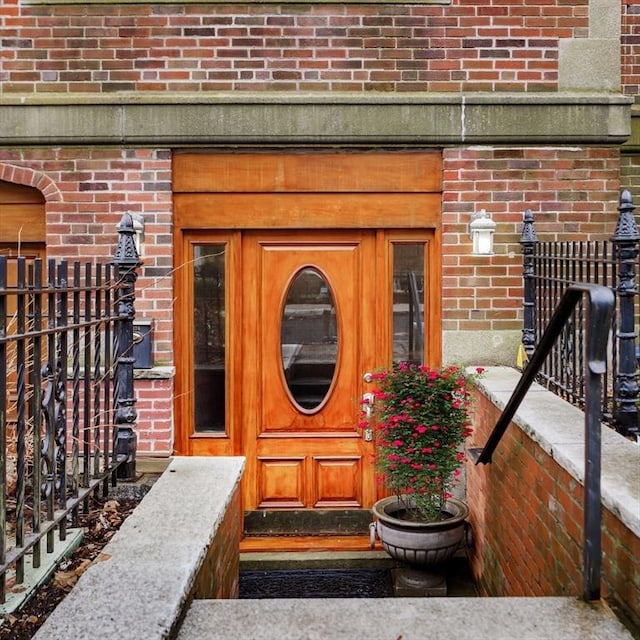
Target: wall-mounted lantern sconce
[(481, 230)]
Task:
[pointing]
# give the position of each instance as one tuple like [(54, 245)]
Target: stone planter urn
[(420, 544)]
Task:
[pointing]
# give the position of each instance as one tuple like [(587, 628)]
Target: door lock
[(367, 407), (367, 404)]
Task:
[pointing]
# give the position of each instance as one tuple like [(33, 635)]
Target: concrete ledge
[(406, 618), (296, 118), (558, 428), (487, 346), (140, 586)]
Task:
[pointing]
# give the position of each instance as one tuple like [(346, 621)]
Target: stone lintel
[(186, 120)]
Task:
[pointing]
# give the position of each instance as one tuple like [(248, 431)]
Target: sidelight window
[(408, 301), (209, 283)]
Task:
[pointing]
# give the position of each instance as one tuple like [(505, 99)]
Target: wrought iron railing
[(549, 268), (597, 321), (67, 413)]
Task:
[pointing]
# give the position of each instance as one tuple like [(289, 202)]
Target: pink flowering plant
[(421, 419)]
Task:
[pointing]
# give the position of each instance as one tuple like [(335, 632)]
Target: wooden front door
[(296, 275), (310, 335)]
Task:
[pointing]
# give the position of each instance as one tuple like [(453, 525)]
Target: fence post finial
[(126, 260), (528, 242), (625, 241)]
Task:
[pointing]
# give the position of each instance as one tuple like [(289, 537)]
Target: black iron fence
[(549, 268), (67, 407)]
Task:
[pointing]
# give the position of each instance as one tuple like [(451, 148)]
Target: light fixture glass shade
[(482, 228)]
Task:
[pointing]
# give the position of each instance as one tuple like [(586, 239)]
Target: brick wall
[(465, 46), (219, 576), (87, 190), (630, 174), (155, 416), (527, 514), (572, 192), (630, 48)]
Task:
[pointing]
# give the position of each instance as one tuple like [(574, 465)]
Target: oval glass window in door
[(309, 339)]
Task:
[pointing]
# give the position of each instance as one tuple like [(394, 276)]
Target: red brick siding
[(219, 576), (572, 192), (465, 46), (630, 42), (87, 190), (155, 416), (630, 174), (527, 514)]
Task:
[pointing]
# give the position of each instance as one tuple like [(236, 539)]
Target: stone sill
[(558, 428), (164, 372), (317, 97)]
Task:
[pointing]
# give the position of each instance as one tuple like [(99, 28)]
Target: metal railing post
[(125, 415), (528, 242), (601, 301), (625, 240)]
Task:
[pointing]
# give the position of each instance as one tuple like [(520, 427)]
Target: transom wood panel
[(268, 191), (307, 173)]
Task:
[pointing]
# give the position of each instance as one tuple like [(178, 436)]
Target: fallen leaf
[(103, 557), (82, 567), (32, 619), (111, 506), (65, 579)]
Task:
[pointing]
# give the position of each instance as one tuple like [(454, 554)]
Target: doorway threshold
[(306, 530), (280, 543)]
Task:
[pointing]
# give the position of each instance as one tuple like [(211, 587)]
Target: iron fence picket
[(58, 361), (549, 268)]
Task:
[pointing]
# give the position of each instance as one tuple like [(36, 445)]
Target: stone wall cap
[(312, 97)]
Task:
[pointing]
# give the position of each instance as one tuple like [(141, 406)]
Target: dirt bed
[(99, 526)]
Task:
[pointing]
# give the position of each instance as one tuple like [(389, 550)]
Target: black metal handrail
[(600, 308)]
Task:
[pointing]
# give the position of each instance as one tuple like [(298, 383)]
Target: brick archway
[(31, 178)]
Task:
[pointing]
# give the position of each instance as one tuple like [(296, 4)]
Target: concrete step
[(402, 619), (281, 560)]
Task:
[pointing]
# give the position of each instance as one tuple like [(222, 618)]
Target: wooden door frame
[(219, 195), (186, 441)]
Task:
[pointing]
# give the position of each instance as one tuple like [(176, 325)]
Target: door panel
[(308, 458), (309, 210), (339, 264)]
